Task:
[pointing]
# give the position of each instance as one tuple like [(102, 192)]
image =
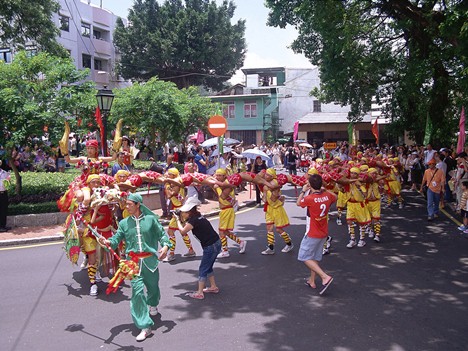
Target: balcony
[(102, 47)]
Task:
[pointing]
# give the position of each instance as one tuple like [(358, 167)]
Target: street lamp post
[(104, 98)]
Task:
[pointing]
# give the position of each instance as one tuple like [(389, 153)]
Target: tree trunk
[(19, 180)]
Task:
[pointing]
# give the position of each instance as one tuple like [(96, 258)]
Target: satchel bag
[(425, 187)]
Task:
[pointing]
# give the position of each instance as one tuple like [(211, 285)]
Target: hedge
[(41, 190)]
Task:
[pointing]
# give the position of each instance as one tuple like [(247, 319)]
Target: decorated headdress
[(173, 171), (312, 171), (122, 172), (92, 177), (92, 143), (271, 172), (221, 171)]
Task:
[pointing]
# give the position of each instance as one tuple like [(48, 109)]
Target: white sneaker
[(351, 244), (462, 228), (242, 246), (94, 290), (170, 257), (153, 310), (84, 264), (377, 239), (144, 334), (328, 242), (98, 277), (223, 254), (400, 206), (288, 248), (338, 221), (370, 234), (268, 251), (361, 243)]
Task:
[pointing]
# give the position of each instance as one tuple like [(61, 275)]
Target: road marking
[(30, 246), (451, 217)]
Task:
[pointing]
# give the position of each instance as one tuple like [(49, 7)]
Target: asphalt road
[(407, 293)]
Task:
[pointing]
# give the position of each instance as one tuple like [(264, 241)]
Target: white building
[(86, 31)]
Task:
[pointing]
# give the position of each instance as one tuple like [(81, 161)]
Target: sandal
[(211, 290), (310, 285), (196, 295)]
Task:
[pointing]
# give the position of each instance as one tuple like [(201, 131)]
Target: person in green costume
[(142, 232)]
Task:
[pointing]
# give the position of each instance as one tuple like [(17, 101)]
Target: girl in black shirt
[(209, 240)]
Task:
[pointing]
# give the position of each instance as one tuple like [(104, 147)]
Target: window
[(64, 23), (85, 29), (249, 137), (317, 106), (31, 51), (250, 109), (97, 34), (5, 55), (98, 65), (229, 109), (86, 61)]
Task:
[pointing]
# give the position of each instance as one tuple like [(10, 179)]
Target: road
[(407, 293)]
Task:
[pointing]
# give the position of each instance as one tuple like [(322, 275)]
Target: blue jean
[(208, 259), (433, 200)]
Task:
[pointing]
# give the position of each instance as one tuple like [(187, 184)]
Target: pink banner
[(200, 137), (296, 130), (461, 135)]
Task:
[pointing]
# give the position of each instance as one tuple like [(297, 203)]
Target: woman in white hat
[(191, 219)]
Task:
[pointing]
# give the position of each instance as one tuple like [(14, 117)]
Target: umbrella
[(225, 150), (254, 153), (305, 145), (214, 141), (300, 141)]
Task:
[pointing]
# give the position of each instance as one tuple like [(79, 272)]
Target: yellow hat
[(372, 170), (312, 170), (92, 177), (271, 172), (351, 162), (396, 159), (363, 159), (331, 163), (122, 172), (364, 168), (220, 171), (173, 171), (355, 170), (319, 160)]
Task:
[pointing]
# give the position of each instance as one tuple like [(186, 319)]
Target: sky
[(266, 46)]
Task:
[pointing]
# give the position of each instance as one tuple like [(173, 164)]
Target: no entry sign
[(217, 125)]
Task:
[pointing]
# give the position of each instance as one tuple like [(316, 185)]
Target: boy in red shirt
[(318, 204)]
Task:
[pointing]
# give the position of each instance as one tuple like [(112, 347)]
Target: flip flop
[(211, 290), (325, 286), (196, 295), (309, 285)]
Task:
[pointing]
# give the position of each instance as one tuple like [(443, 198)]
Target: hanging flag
[(296, 130), (200, 137), (375, 131), (350, 132), (461, 134), (101, 129), (428, 131)]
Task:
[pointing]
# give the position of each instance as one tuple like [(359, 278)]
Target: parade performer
[(227, 215), (175, 194), (356, 210), (318, 204), (393, 183), (142, 232), (275, 215), (192, 220), (373, 202)]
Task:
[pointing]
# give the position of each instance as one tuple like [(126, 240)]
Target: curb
[(59, 236)]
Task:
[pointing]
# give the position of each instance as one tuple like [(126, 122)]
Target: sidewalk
[(32, 235)]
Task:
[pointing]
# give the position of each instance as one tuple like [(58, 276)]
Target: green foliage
[(160, 107), (39, 91), (410, 55), (42, 183), (189, 43), (28, 208), (25, 20), (141, 165)]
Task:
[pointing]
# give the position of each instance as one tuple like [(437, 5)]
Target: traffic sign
[(217, 125)]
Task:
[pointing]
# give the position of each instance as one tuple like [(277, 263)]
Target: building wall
[(296, 102), (98, 45)]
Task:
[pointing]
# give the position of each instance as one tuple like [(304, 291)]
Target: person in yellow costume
[(394, 184), (175, 193), (227, 215), (356, 210), (373, 202), (275, 215)]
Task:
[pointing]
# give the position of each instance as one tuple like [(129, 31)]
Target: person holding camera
[(190, 219)]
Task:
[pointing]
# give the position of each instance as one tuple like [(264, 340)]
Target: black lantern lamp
[(104, 98)]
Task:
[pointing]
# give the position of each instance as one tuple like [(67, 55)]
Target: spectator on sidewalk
[(4, 178), (435, 180)]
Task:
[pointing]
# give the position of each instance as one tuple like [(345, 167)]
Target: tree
[(24, 20), (39, 91), (160, 107), (410, 55), (195, 44)]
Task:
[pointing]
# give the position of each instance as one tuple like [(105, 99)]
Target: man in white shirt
[(4, 176), (428, 155)]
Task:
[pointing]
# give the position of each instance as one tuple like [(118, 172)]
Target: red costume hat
[(92, 143)]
